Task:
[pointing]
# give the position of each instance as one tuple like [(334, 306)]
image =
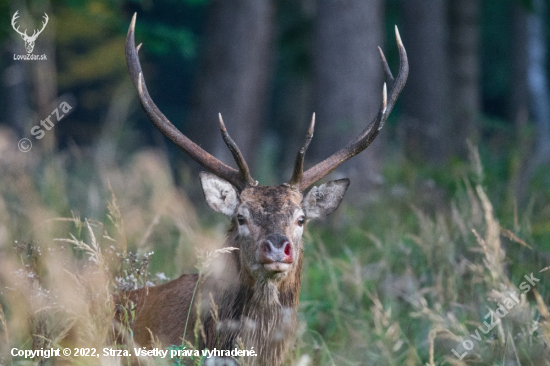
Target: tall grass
[(400, 283), (414, 295)]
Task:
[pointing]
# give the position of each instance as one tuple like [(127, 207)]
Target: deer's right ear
[(220, 195)]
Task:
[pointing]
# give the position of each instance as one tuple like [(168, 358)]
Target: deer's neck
[(268, 317), (259, 314)]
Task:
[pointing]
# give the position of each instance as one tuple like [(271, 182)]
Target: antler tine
[(45, 22), (160, 121), (237, 155), (403, 73), (385, 65), (14, 20), (298, 172), (369, 134)]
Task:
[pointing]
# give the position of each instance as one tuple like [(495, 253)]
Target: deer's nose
[(276, 248)]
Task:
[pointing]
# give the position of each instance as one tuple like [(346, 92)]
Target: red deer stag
[(250, 296)]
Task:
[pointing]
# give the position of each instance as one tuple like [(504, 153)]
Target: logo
[(29, 40)]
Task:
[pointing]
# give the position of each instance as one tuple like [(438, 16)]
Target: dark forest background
[(479, 73), (447, 211)]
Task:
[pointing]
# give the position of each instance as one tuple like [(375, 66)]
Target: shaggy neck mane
[(259, 314)]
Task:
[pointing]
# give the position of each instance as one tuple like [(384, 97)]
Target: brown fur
[(255, 289), (253, 308)]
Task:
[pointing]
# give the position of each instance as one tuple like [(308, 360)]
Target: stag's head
[(267, 222), (29, 40)]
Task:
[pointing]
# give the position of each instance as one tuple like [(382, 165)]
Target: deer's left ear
[(220, 195), (323, 200)]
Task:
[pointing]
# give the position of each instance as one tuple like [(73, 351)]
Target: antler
[(305, 179), (13, 20), (239, 178), (34, 34), (24, 34), (298, 173)]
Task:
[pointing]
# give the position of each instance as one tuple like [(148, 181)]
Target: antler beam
[(24, 34), (306, 179), (44, 23), (239, 178), (13, 22)]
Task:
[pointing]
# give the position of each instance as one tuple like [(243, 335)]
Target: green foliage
[(402, 282), (399, 280), (162, 40), (526, 4), (197, 2)]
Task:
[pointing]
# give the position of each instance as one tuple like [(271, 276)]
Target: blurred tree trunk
[(291, 110), (32, 86), (426, 110), (518, 111), (234, 75), (538, 79), (465, 69), (518, 107), (18, 107), (44, 74), (348, 83)]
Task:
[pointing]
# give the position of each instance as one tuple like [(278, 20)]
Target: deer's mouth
[(277, 267)]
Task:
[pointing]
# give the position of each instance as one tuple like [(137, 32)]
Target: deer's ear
[(323, 200), (220, 195)]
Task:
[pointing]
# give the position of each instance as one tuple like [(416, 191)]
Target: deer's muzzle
[(276, 253)]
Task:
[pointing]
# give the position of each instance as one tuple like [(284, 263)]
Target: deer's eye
[(301, 221), (241, 220)]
